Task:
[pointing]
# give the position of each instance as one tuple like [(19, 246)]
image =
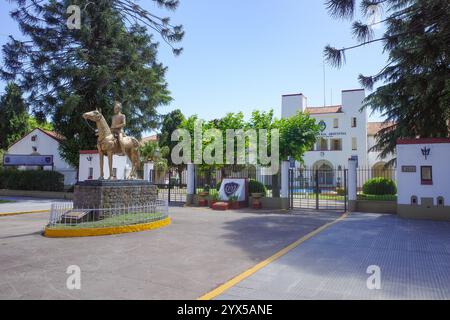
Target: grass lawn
[(118, 220), (374, 197), (6, 201)]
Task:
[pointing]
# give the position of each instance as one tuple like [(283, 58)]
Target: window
[(114, 172), (426, 175), (336, 144), (336, 123), (354, 144), (91, 173), (323, 144), (353, 122)]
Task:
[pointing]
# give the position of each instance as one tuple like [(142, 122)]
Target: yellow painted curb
[(8, 214), (231, 283), (71, 233)]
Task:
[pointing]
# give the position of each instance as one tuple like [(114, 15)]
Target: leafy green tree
[(13, 116), (414, 94), (170, 122), (152, 152), (67, 72), (34, 123), (297, 135)]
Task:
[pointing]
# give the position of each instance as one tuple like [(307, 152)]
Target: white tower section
[(292, 103)]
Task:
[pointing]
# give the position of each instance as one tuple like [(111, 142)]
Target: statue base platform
[(113, 193)]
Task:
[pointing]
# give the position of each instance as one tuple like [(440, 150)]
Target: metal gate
[(318, 189), (172, 188)]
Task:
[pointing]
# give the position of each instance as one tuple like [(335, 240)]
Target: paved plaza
[(413, 256), (200, 250), (203, 249)]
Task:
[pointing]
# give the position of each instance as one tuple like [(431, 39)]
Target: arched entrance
[(379, 169), (325, 173)]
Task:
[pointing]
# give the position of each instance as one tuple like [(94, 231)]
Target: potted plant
[(257, 190), (233, 202), (202, 201), (214, 197)]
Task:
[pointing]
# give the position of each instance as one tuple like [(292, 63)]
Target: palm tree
[(151, 152)]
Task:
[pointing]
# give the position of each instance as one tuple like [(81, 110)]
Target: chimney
[(292, 103)]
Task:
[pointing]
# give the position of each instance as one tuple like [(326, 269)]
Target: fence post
[(285, 185), (352, 185), (190, 184)]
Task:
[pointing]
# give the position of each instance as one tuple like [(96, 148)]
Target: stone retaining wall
[(115, 193)]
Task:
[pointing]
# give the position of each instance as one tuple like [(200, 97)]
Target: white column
[(352, 185), (284, 179), (190, 178)]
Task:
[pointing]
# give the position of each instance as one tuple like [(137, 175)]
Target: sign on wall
[(232, 187), (27, 160), (409, 169)]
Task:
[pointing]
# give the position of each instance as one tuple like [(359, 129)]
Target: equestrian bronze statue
[(112, 140)]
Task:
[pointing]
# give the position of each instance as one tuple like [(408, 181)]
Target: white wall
[(351, 103), (409, 183), (291, 104), (92, 160), (148, 169), (45, 145)]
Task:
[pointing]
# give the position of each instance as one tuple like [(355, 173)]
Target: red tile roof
[(148, 139), (55, 135), (322, 110), (374, 127)]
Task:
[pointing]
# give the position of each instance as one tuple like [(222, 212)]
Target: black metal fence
[(310, 188), (383, 191), (210, 178)]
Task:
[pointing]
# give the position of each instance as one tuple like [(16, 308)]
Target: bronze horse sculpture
[(108, 144)]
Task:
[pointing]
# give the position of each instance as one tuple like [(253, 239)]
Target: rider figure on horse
[(117, 125)]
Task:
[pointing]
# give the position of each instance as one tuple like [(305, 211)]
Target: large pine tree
[(67, 72), (414, 91)]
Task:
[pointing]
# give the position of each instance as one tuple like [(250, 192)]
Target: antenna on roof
[(324, 85)]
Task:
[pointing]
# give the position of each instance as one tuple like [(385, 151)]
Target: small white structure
[(148, 171), (44, 142), (423, 178), (89, 167)]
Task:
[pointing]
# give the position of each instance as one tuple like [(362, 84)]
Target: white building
[(345, 132), (423, 178), (44, 142), (89, 166)]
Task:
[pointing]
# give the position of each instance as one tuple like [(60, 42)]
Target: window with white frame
[(354, 143), (353, 122), (336, 123)]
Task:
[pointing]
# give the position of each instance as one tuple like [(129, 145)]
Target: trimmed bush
[(31, 180), (256, 187), (380, 186)]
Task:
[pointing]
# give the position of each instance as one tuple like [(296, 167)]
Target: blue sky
[(243, 55)]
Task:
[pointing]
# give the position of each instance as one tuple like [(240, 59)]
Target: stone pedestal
[(94, 194)]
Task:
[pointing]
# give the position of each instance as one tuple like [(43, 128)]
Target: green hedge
[(380, 186), (31, 180)]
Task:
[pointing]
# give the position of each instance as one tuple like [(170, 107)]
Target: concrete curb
[(9, 214), (93, 232)]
